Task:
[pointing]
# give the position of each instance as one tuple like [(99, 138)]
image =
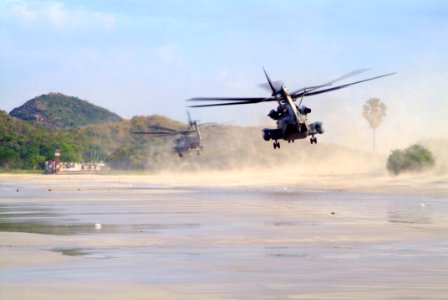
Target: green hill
[(27, 146), (61, 111)]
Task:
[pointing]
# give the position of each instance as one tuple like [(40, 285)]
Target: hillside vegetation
[(28, 144), (25, 145), (115, 143), (61, 111)]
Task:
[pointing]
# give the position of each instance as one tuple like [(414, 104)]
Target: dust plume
[(242, 148), (238, 156)]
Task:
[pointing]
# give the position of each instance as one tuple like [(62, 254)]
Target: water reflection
[(72, 251), (44, 219), (409, 213), (407, 218), (76, 229), (46, 228)]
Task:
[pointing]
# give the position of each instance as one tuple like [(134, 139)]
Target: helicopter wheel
[(313, 140), (276, 145)]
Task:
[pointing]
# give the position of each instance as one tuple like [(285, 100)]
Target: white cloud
[(234, 81), (23, 12), (57, 15), (166, 53), (169, 54)]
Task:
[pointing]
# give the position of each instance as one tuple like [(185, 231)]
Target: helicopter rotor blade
[(348, 75), (343, 86), (157, 127), (257, 100), (274, 87), (156, 133), (312, 88), (222, 104), (308, 91), (236, 99), (161, 133), (277, 85), (189, 119)]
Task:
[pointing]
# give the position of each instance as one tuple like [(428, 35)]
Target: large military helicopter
[(292, 122), (188, 139)]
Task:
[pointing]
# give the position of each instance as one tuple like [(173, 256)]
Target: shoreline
[(413, 184)]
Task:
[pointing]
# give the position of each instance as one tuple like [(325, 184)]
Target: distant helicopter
[(292, 122), (188, 140)]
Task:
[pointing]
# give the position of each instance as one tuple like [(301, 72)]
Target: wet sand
[(215, 235)]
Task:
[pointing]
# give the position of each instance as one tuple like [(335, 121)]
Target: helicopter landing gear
[(276, 145), (313, 140), (181, 155)]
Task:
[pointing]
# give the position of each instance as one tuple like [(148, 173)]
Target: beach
[(223, 235)]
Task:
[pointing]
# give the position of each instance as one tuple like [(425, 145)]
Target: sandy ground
[(423, 184), (221, 235)]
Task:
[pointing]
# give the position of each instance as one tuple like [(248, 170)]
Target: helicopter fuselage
[(188, 142), (292, 122)]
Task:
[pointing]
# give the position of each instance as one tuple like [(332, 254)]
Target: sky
[(147, 57)]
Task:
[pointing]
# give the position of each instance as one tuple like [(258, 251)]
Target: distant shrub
[(415, 158)]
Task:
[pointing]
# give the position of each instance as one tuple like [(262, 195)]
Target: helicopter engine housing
[(317, 127), (274, 134), (304, 110), (273, 114)]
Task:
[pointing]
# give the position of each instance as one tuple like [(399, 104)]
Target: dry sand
[(423, 184), (225, 235)]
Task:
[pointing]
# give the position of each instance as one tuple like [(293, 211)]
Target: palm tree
[(374, 111)]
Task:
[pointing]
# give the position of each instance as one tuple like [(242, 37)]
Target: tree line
[(26, 145)]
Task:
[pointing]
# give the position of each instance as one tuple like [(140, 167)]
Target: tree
[(374, 111), (8, 158), (415, 158)]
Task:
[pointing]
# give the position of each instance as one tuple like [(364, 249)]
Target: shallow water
[(223, 242)]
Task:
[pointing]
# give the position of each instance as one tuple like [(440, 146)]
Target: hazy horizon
[(143, 58)]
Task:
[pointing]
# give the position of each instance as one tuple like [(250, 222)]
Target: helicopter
[(188, 140), (292, 119)]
